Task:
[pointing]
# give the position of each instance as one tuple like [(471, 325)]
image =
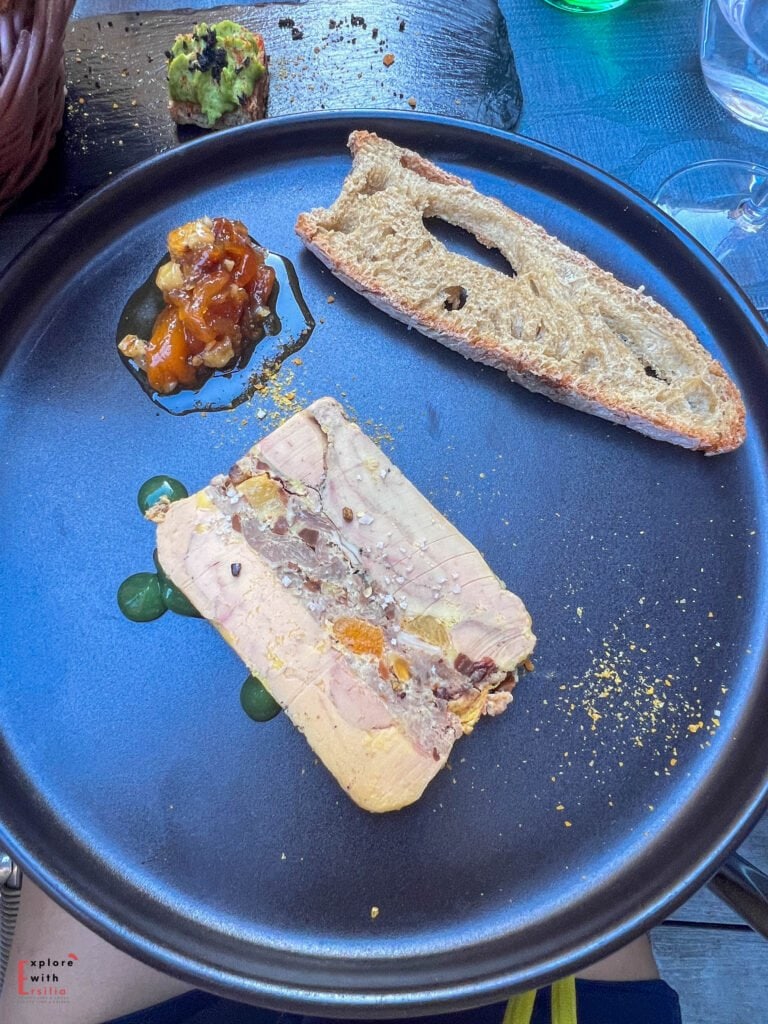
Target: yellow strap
[(520, 1009), (564, 1001)]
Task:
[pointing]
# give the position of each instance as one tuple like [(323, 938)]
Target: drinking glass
[(724, 203), (586, 6), (734, 57)]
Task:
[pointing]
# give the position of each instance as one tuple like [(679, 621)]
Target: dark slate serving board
[(449, 58)]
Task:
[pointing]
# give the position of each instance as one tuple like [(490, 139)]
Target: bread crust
[(410, 187)]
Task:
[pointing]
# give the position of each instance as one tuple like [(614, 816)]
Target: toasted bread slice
[(254, 108), (377, 626), (557, 323)]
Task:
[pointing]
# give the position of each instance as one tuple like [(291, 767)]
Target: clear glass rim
[(750, 166)]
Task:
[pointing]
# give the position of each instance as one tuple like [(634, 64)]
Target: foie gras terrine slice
[(377, 626)]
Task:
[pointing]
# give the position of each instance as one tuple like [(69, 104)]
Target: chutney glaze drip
[(285, 330)]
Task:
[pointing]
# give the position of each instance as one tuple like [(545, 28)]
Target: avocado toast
[(217, 76)]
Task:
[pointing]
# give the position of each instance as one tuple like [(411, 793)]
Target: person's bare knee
[(101, 983)]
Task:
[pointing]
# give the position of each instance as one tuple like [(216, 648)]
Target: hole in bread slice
[(464, 243), (455, 297)]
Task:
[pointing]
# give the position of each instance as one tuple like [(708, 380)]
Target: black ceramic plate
[(137, 792)]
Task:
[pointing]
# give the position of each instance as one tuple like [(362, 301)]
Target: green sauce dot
[(257, 702), (175, 600), (157, 487), (139, 597), (159, 567)]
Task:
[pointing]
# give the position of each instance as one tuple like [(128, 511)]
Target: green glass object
[(258, 703), (157, 487), (586, 6), (139, 597), (175, 600)]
